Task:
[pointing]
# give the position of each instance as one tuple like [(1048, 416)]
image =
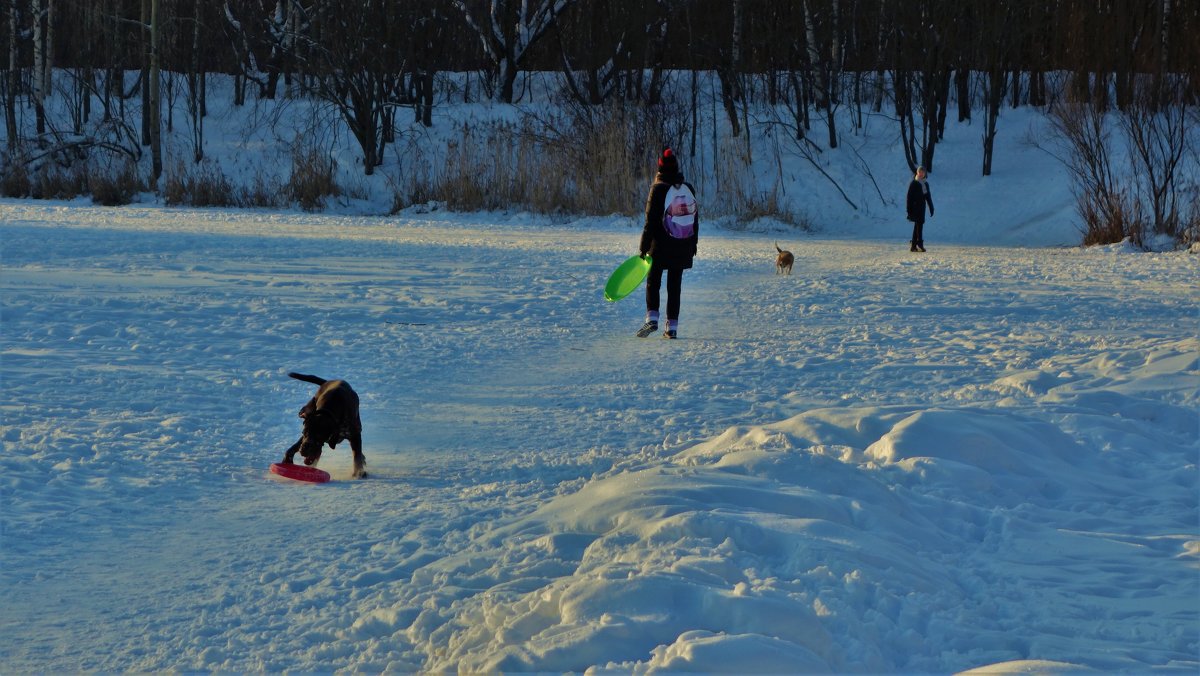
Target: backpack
[(679, 212)]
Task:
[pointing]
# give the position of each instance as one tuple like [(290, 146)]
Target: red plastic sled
[(300, 473)]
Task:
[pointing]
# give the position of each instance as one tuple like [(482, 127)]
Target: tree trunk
[(929, 116), (728, 97), (1037, 88), (155, 103), (1163, 45), (996, 83), (904, 113), (39, 66), (831, 122), (880, 91), (89, 85), (963, 85), (195, 90), (426, 95), (814, 54), (729, 75), (943, 103), (48, 62), (12, 79), (145, 79), (508, 79)]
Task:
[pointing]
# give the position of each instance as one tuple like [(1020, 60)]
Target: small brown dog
[(783, 262), (329, 418)]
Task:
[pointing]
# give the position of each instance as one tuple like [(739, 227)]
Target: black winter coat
[(667, 251), (918, 197)]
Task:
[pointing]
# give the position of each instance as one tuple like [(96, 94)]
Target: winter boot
[(647, 328), (672, 327)]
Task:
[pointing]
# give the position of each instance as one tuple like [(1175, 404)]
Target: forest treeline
[(611, 48), (922, 61), (268, 39)]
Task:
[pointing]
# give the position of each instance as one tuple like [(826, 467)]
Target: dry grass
[(1109, 219), (109, 183), (601, 162), (313, 178), (15, 181), (263, 191), (564, 164), (199, 185), (1190, 232), (52, 182), (114, 186)]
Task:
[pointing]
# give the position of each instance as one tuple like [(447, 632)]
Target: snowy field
[(888, 462)]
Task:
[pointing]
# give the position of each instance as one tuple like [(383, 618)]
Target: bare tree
[(823, 48), (996, 81), (11, 77), (42, 61), (730, 70), (153, 101), (921, 79), (1108, 212), (507, 29), (242, 36), (591, 43), (351, 71), (195, 85), (997, 35), (1157, 136), (606, 47), (427, 46)]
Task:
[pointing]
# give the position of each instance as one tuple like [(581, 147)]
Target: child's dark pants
[(674, 288)]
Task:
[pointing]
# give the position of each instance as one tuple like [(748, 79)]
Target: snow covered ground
[(983, 456)]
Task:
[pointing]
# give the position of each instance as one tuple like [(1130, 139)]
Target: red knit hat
[(667, 160)]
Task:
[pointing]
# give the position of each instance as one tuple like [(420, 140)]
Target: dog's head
[(319, 426)]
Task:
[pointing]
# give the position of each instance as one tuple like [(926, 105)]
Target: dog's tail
[(777, 247), (308, 379)]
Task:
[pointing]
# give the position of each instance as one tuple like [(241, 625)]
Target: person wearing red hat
[(669, 237)]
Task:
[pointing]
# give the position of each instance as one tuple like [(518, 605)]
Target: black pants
[(918, 238), (674, 288)]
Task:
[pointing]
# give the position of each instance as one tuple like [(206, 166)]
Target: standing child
[(918, 197), (669, 236)]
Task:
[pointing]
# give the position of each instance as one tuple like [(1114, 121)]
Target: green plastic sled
[(627, 277)]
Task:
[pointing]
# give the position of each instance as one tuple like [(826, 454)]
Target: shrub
[(199, 185), (313, 179), (588, 160), (1107, 213), (15, 181), (114, 186), (1109, 218), (262, 192), (52, 181)]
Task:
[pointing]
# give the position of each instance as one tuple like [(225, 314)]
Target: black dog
[(329, 417)]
